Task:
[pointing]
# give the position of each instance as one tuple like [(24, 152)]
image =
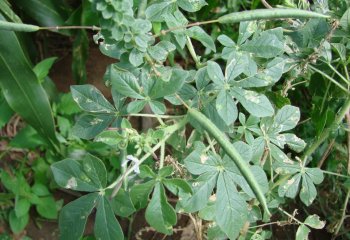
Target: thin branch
[(326, 153), (93, 28)]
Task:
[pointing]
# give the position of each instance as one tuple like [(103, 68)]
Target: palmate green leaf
[(74, 215), (239, 62), (231, 209), (203, 187), (159, 213), (290, 187), (177, 185), (308, 191), (157, 107), (106, 224), (191, 6), (266, 77), (88, 174), (226, 107), (200, 35), (246, 30), (136, 106), (286, 118), (174, 20), (90, 99), (125, 83), (255, 103), (268, 44), (21, 88), (215, 73), (89, 126), (136, 57), (164, 88)]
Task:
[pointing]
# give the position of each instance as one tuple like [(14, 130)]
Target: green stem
[(343, 213), (168, 132), (122, 157), (311, 149), (335, 174), (338, 73)]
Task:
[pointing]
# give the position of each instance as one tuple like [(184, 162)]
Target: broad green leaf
[(157, 107), (164, 88), (15, 183), (136, 57), (215, 73), (237, 63), (191, 6), (136, 106), (308, 191), (88, 174), (90, 99), (161, 50), (208, 213), (290, 187), (266, 77), (165, 172), (106, 224), (22, 206), (125, 83), (200, 35), (17, 224), (157, 12), (199, 162), (286, 118), (122, 204), (177, 19), (226, 107), (159, 213), (268, 44), (6, 10), (47, 207), (40, 190), (283, 164), (302, 233), (140, 193), (21, 88), (294, 142), (345, 20), (244, 150), (226, 41), (42, 69), (255, 103), (246, 29), (231, 209), (177, 185), (315, 174), (202, 189), (89, 126), (74, 215), (110, 137), (314, 222)]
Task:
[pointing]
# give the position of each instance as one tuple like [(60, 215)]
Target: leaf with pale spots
[(90, 99), (88, 125), (226, 107), (314, 222), (255, 103), (302, 233), (87, 174)]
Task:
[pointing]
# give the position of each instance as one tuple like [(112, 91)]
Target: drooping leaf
[(200, 35), (302, 233), (88, 174), (74, 215), (314, 222), (139, 193), (191, 6), (122, 204)]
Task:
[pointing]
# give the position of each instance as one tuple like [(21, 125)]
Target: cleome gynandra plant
[(220, 143)]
